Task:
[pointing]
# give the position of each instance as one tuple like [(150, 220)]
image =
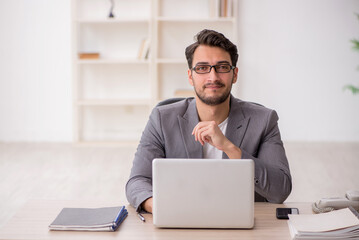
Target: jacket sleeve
[(272, 175), (139, 185)]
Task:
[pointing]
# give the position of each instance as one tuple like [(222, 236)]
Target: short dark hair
[(213, 39)]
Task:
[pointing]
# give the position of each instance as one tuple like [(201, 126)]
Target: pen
[(141, 217)]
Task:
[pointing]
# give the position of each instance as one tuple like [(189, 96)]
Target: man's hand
[(209, 132), (147, 205)]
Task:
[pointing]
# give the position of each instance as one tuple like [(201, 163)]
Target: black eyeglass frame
[(212, 66)]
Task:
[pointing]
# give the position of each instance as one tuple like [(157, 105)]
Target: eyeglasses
[(219, 68)]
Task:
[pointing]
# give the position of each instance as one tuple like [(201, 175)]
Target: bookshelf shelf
[(114, 102), (112, 61), (194, 20), (113, 21), (137, 60), (171, 60)]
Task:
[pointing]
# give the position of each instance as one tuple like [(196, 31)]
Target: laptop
[(203, 193)]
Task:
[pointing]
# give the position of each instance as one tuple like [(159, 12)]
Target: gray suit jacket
[(251, 127)]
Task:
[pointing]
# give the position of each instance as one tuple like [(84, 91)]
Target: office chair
[(169, 101)]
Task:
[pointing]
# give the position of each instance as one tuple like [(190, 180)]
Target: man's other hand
[(147, 205)]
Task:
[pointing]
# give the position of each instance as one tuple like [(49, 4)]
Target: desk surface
[(31, 222)]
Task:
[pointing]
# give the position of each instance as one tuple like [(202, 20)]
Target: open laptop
[(203, 193)]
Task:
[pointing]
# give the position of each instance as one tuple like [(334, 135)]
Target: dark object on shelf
[(110, 15)]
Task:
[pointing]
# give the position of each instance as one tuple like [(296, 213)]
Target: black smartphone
[(282, 213)]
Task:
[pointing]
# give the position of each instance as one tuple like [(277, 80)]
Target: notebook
[(89, 219), (203, 193)]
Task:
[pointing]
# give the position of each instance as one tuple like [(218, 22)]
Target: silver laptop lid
[(203, 193)]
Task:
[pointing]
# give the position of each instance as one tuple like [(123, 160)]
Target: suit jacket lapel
[(237, 124), (187, 122)]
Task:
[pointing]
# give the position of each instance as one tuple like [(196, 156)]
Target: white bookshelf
[(114, 94)]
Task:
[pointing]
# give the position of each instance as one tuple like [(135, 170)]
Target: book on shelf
[(89, 55), (184, 93), (221, 8), (89, 219), (338, 224), (144, 50)]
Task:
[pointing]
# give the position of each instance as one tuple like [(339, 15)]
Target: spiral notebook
[(89, 219), (338, 224)]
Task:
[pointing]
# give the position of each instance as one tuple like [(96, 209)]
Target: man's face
[(212, 88)]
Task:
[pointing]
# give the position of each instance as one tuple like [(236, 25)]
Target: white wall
[(295, 58), (35, 76)]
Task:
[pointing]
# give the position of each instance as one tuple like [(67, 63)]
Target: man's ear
[(190, 79), (235, 75)]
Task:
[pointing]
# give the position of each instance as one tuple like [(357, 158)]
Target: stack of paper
[(89, 219), (339, 224)]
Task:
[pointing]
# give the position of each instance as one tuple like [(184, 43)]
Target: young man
[(212, 125)]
